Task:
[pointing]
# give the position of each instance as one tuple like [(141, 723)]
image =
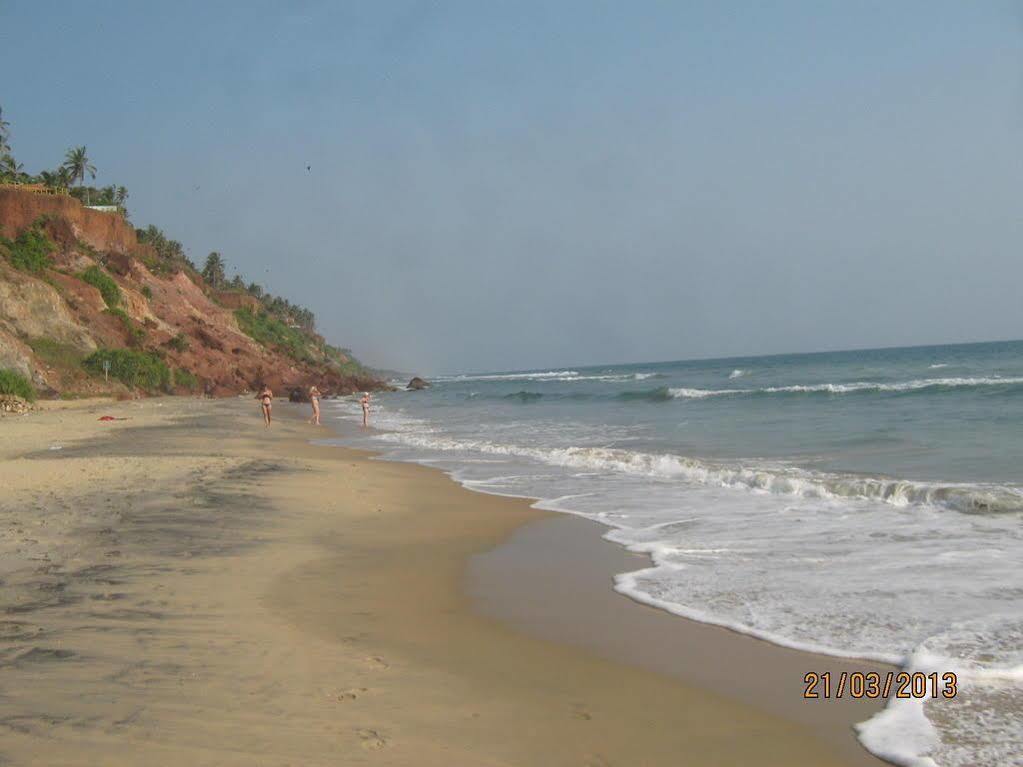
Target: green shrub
[(270, 331), (104, 283), (147, 292), (133, 368), (179, 343), (56, 354), (16, 384), (344, 361), (136, 335), (30, 251), (185, 379)]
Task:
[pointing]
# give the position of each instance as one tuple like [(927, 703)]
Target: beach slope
[(184, 587)]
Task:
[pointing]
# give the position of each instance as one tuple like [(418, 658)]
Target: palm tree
[(5, 133), (213, 270), (50, 179), (120, 196), (64, 178), (78, 165), (10, 167)]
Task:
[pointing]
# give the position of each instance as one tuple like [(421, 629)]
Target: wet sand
[(186, 588), (554, 578)]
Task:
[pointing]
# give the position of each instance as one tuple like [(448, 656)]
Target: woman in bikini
[(314, 400), (365, 408), (266, 398)]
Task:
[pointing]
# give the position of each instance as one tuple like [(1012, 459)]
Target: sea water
[(866, 504)]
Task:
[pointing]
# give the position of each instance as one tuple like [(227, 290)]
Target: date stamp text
[(874, 685)]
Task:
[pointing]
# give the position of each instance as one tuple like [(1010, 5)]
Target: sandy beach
[(183, 587)]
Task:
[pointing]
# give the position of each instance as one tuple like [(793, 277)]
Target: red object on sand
[(111, 418)]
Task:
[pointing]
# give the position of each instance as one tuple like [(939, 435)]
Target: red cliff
[(50, 321), (106, 232)]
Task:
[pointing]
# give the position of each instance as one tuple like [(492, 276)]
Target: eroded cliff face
[(32, 309), (50, 321), (103, 231)]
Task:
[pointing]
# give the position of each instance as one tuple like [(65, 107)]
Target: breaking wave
[(550, 375), (966, 498), (666, 393), (660, 394)]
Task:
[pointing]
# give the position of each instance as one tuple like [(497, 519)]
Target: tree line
[(214, 271), (69, 176)]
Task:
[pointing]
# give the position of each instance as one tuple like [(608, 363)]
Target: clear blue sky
[(517, 184)]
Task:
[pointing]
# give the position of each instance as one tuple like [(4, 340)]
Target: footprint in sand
[(353, 638), (371, 739), (596, 761), (352, 694), (579, 712), (376, 662)]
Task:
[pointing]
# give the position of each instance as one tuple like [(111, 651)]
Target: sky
[(468, 186)]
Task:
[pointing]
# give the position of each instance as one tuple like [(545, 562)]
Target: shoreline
[(512, 583), (183, 587)]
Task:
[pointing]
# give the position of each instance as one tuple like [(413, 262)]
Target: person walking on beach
[(314, 400), (365, 408), (266, 398)]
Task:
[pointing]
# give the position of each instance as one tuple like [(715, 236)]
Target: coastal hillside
[(89, 305)]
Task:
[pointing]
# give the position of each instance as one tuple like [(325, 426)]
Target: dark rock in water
[(298, 395), (417, 383)]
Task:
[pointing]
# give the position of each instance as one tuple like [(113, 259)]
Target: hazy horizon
[(453, 186)]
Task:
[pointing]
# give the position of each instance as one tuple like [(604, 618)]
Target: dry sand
[(184, 588)]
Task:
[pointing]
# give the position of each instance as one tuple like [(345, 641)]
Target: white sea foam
[(847, 388), (549, 375), (737, 373), (686, 393), (537, 376), (979, 726), (776, 479), (901, 734)]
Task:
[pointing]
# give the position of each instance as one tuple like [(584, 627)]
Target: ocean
[(865, 504)]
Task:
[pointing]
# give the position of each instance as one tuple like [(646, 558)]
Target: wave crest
[(660, 394), (524, 396), (966, 498), (851, 388)]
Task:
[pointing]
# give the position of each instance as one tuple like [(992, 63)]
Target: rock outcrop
[(31, 308), (11, 405), (417, 383)]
